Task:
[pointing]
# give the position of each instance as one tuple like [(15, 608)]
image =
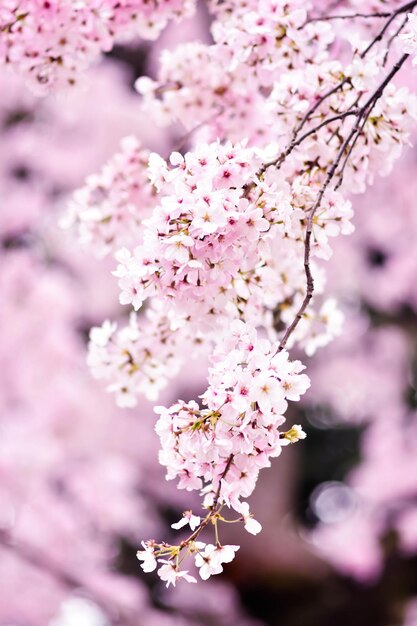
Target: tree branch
[(362, 117), (405, 8), (328, 18)]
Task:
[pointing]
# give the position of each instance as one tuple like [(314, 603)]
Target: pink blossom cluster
[(409, 39), (219, 450), (203, 243), (191, 286), (219, 103), (50, 42), (266, 37), (249, 385), (140, 357), (285, 115), (383, 135), (110, 208), (214, 254), (244, 83), (252, 43), (77, 475), (203, 232)]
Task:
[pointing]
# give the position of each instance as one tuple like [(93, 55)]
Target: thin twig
[(225, 471), (307, 244), (406, 7), (294, 143), (328, 18), (355, 131), (213, 509), (351, 148), (392, 38)]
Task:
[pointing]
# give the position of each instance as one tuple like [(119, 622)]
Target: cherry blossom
[(50, 43), (142, 356), (409, 39), (110, 209), (252, 526), (148, 557), (210, 560), (171, 574), (223, 248), (236, 238), (220, 450), (188, 519)]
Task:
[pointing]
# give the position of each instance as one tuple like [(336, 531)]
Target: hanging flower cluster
[(223, 247), (409, 39), (110, 208), (51, 41), (220, 449)]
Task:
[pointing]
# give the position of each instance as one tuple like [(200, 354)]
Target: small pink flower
[(188, 518), (169, 573), (148, 557)]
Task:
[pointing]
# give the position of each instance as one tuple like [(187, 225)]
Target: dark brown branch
[(307, 244), (405, 8), (351, 148), (328, 18), (213, 508), (294, 143), (362, 117), (392, 38), (367, 109)]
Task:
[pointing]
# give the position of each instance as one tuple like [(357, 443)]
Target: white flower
[(409, 39), (100, 335), (207, 564), (268, 393), (251, 525), (187, 518), (148, 557), (210, 561), (224, 554), (169, 573), (294, 434)]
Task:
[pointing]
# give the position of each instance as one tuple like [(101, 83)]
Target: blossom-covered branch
[(224, 245)]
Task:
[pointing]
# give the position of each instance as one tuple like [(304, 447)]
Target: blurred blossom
[(332, 502), (352, 546), (411, 614), (79, 612)]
